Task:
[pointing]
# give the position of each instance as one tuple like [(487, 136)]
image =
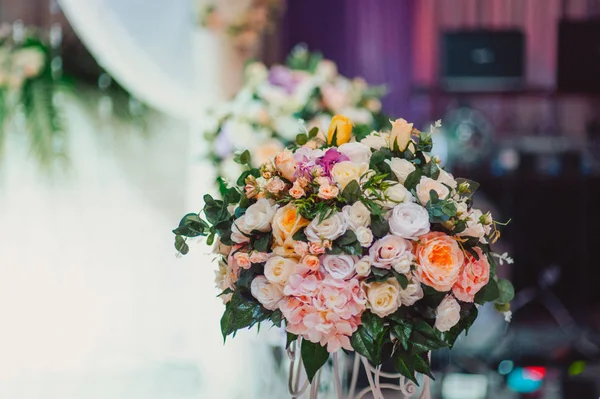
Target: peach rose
[(297, 191), (400, 134), (275, 185), (383, 298), (316, 248), (328, 191), (258, 257), (425, 186), (439, 261), (286, 165), (311, 262), (242, 259), (286, 223), (474, 275), (300, 248), (342, 127), (279, 269)]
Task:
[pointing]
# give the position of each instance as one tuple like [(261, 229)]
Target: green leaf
[(211, 239), (245, 279), (468, 314), (431, 170), (412, 180), (353, 249), (351, 192), (368, 338), (348, 238), (334, 138), (380, 273), (300, 236), (241, 312), (232, 196), (507, 291), (488, 293), (404, 364), (314, 357), (379, 226), (425, 338), (262, 244), (313, 132), (402, 279), (289, 339), (181, 246), (473, 186), (421, 362), (245, 158), (301, 139), (191, 226), (276, 318), (448, 208), (402, 330)]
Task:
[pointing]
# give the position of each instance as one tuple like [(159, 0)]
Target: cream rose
[(409, 220), (439, 261), (259, 216), (447, 314), (328, 191), (364, 235), (239, 231), (357, 215), (389, 250), (331, 228), (383, 298), (376, 140), (402, 264), (363, 267), (475, 227), (397, 194), (400, 134), (427, 184), (278, 269), (340, 267), (346, 171), (269, 295), (447, 179), (412, 293), (401, 168), (357, 152)]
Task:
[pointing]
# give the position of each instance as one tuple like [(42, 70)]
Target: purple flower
[(282, 77), (331, 157)]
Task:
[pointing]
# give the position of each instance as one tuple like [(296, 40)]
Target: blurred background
[(103, 151)]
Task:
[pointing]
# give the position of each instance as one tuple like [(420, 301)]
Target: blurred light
[(536, 373), (509, 159), (520, 380), (505, 367), (577, 368), (464, 386)]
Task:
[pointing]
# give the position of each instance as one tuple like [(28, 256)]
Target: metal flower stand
[(299, 386)]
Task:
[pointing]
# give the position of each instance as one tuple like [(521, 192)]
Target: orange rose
[(286, 222), (439, 260), (474, 275), (286, 165), (342, 127)]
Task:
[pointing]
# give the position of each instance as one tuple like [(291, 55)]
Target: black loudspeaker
[(483, 60), (579, 57)]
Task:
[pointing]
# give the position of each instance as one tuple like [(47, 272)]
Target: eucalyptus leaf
[(351, 192), (506, 291)]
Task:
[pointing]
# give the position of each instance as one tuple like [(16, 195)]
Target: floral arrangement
[(27, 85), (264, 115), (363, 244), (245, 25)]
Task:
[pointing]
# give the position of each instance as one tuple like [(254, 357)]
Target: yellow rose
[(400, 134), (342, 127), (383, 298), (346, 171), (286, 222)]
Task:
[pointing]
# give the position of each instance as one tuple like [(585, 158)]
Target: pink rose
[(258, 257), (242, 259), (287, 166), (475, 274), (390, 250), (327, 191), (311, 262), (275, 185), (316, 248), (439, 261), (340, 267), (300, 248)]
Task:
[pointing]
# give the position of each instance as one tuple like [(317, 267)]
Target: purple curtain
[(372, 39)]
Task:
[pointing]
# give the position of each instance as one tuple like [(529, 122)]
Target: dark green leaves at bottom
[(404, 363), (314, 357), (468, 314), (402, 330), (241, 312), (368, 340)]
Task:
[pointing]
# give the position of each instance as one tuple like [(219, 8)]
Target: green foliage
[(314, 356), (506, 291), (368, 340), (241, 312), (379, 226), (431, 169), (351, 192), (191, 226), (413, 179), (468, 314), (472, 187), (489, 293), (181, 246)]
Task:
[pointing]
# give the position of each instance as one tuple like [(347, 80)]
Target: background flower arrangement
[(27, 86), (264, 115), (353, 242)]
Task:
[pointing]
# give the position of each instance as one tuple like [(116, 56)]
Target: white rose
[(340, 267), (383, 298), (389, 250), (462, 209), (331, 228), (239, 231), (402, 264), (427, 184), (409, 220), (412, 293), (278, 269), (259, 216), (376, 140), (447, 314), (447, 179), (357, 215), (363, 267), (357, 152), (401, 168), (269, 295), (364, 235), (346, 171), (474, 226), (397, 194)]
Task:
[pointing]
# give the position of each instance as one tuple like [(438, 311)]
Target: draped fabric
[(371, 39)]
